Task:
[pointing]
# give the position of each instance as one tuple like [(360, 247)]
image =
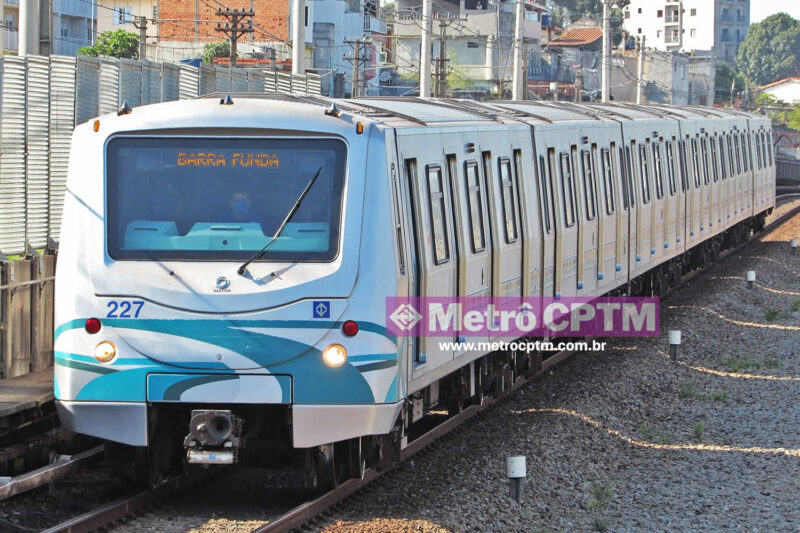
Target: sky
[(761, 9)]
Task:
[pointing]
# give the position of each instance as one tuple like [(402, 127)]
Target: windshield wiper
[(288, 217)]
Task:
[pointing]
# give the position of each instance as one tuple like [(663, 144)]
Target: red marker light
[(350, 328), (93, 325)]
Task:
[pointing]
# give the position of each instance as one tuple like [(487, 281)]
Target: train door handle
[(483, 276)]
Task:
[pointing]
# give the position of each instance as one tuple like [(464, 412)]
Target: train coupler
[(214, 437)]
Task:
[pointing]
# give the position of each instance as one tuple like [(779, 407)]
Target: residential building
[(72, 23), (337, 21), (786, 90), (186, 26), (702, 27), (479, 40), (582, 39)]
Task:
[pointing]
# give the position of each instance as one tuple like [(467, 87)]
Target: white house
[(786, 90)]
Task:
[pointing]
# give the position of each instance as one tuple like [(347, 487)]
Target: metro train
[(181, 331)]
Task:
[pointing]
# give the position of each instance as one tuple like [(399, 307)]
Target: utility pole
[(733, 88), (640, 76), (606, 67), (298, 37), (235, 27), (578, 85), (29, 27), (425, 51), (518, 82), (356, 60), (441, 62), (140, 23)]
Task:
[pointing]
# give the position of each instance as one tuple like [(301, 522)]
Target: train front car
[(213, 300)]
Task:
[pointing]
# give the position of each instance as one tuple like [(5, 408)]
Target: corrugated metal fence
[(41, 100)]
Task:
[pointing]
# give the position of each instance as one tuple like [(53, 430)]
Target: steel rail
[(41, 476)]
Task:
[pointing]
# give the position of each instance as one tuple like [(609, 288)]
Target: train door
[(725, 209), (672, 196), (709, 226), (705, 187), (734, 183), (568, 209), (546, 179), (753, 139), (695, 198), (590, 249), (527, 179), (643, 186), (611, 217), (686, 185), (660, 199), (631, 232), (616, 201), (474, 220), (432, 219)]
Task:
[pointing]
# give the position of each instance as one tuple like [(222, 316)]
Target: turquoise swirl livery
[(301, 378)]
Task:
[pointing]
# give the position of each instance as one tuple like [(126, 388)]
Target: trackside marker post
[(794, 246), (751, 278), (516, 471), (674, 337)]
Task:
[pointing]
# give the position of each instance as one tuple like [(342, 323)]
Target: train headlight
[(334, 355), (105, 351)]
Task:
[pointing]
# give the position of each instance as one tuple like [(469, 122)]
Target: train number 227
[(126, 308)]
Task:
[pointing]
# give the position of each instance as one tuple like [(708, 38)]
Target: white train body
[(529, 200)]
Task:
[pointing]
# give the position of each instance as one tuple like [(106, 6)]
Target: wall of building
[(788, 92)]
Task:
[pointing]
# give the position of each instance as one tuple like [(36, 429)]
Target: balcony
[(11, 2), (674, 19), (10, 40), (73, 8), (374, 25)]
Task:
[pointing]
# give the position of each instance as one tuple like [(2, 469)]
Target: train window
[(731, 164), (644, 173), (544, 198), (682, 165), (509, 213), (628, 164), (722, 163), (738, 155), (759, 159), (475, 206), (714, 161), (764, 149), (704, 146), (517, 180), (567, 190), (588, 184), (441, 247), (744, 151), (608, 180), (658, 170), (747, 151), (768, 139), (695, 163), (671, 168), (398, 227)]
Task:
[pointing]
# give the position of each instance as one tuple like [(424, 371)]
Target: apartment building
[(702, 27), (479, 37), (72, 24)]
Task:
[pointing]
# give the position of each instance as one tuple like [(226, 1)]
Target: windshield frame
[(336, 230)]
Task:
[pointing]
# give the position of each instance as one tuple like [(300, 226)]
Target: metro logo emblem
[(405, 317)]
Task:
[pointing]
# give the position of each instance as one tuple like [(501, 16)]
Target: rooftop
[(578, 37)]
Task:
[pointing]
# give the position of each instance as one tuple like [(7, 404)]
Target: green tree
[(564, 11), (118, 43), (794, 119), (771, 50), (213, 50), (725, 75)]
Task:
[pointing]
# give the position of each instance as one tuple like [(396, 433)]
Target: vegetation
[(698, 431), (795, 306), (771, 50), (690, 391), (737, 364), (771, 315), (214, 50), (118, 43), (726, 74)]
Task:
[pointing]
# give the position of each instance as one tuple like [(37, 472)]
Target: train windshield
[(222, 199)]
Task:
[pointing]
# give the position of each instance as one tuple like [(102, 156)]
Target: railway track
[(106, 516)]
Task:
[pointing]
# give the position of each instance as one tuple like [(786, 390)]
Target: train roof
[(401, 112)]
